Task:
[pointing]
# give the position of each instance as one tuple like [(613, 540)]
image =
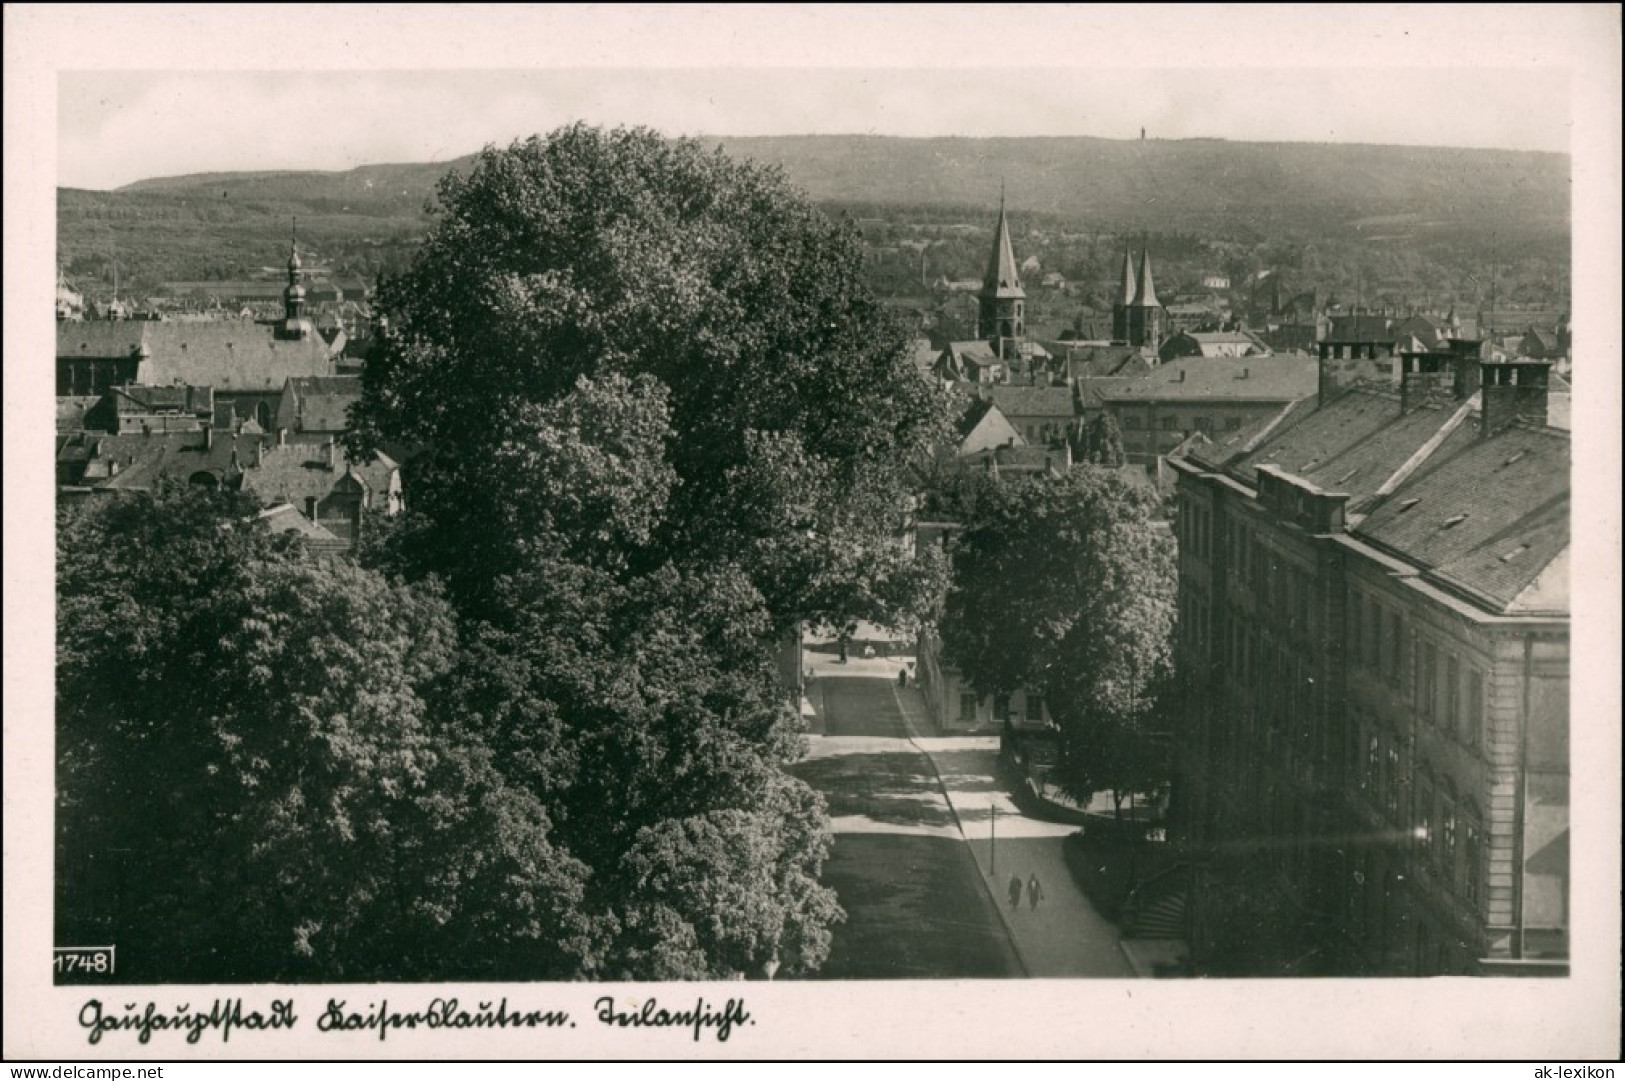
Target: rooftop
[(1358, 442), (1490, 518), (230, 354), (1015, 401), (1250, 379)]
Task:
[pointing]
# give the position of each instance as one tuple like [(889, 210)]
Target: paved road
[(866, 757), (915, 903)]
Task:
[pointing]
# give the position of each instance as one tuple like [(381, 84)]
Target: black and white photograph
[(642, 531)]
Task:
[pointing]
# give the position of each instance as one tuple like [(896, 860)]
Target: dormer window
[(1407, 505), (1515, 553), (1453, 521)]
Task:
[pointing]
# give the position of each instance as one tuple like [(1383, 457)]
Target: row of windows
[(1285, 590), (1448, 831), (1447, 693), (1172, 423), (1195, 527)]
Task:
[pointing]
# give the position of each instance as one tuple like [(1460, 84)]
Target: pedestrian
[(1015, 891), (902, 677), (1035, 892)]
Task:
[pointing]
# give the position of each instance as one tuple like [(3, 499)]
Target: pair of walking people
[(1035, 892)]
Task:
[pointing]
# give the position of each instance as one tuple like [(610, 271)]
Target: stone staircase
[(1156, 908)]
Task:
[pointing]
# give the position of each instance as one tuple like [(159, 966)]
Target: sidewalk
[(1064, 936)]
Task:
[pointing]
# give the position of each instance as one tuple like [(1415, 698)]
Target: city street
[(914, 854)]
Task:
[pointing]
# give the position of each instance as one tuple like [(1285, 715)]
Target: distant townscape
[(1150, 603)]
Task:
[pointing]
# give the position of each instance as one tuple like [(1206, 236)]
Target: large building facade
[(1374, 630)]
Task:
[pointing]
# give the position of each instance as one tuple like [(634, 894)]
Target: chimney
[(310, 507), (282, 437), (1179, 376), (332, 454), (208, 437), (259, 452), (1426, 378), (1511, 392), (1244, 373)]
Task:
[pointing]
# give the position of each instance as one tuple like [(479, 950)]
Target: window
[(1396, 647), (1424, 814), (1001, 707), (1452, 696), (1447, 837), (1373, 629), (1356, 629), (1170, 424), (1472, 867), (1475, 707), (1427, 681), (1204, 424), (1035, 708), (1390, 786), (967, 707)]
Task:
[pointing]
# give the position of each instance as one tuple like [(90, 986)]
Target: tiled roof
[(1489, 518), (283, 518), (135, 399), (141, 460), (1275, 378), (227, 354), (1355, 443), (1217, 450), (967, 422), (323, 402), (1093, 392), (100, 339), (1056, 401), (298, 471), (1097, 360)]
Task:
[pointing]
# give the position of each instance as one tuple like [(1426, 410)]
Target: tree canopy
[(1066, 585), (655, 419), (706, 298)]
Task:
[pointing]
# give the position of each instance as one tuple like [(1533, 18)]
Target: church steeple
[(1125, 297), (1145, 288), (1144, 313), (1002, 301), (293, 297)]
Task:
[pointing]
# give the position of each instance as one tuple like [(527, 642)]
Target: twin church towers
[(1137, 315)]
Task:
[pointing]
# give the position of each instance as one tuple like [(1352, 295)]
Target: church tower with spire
[(1124, 298), (1145, 314), (1001, 305), (295, 325)]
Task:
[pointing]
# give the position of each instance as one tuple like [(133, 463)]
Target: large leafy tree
[(738, 314), (1067, 585), (254, 782)]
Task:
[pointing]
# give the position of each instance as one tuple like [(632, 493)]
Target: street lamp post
[(993, 838)]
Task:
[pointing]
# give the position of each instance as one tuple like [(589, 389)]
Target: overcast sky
[(467, 76)]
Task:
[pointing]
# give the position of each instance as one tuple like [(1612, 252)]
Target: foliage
[(1066, 586), (253, 782), (534, 732), (775, 402), (1104, 442)]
